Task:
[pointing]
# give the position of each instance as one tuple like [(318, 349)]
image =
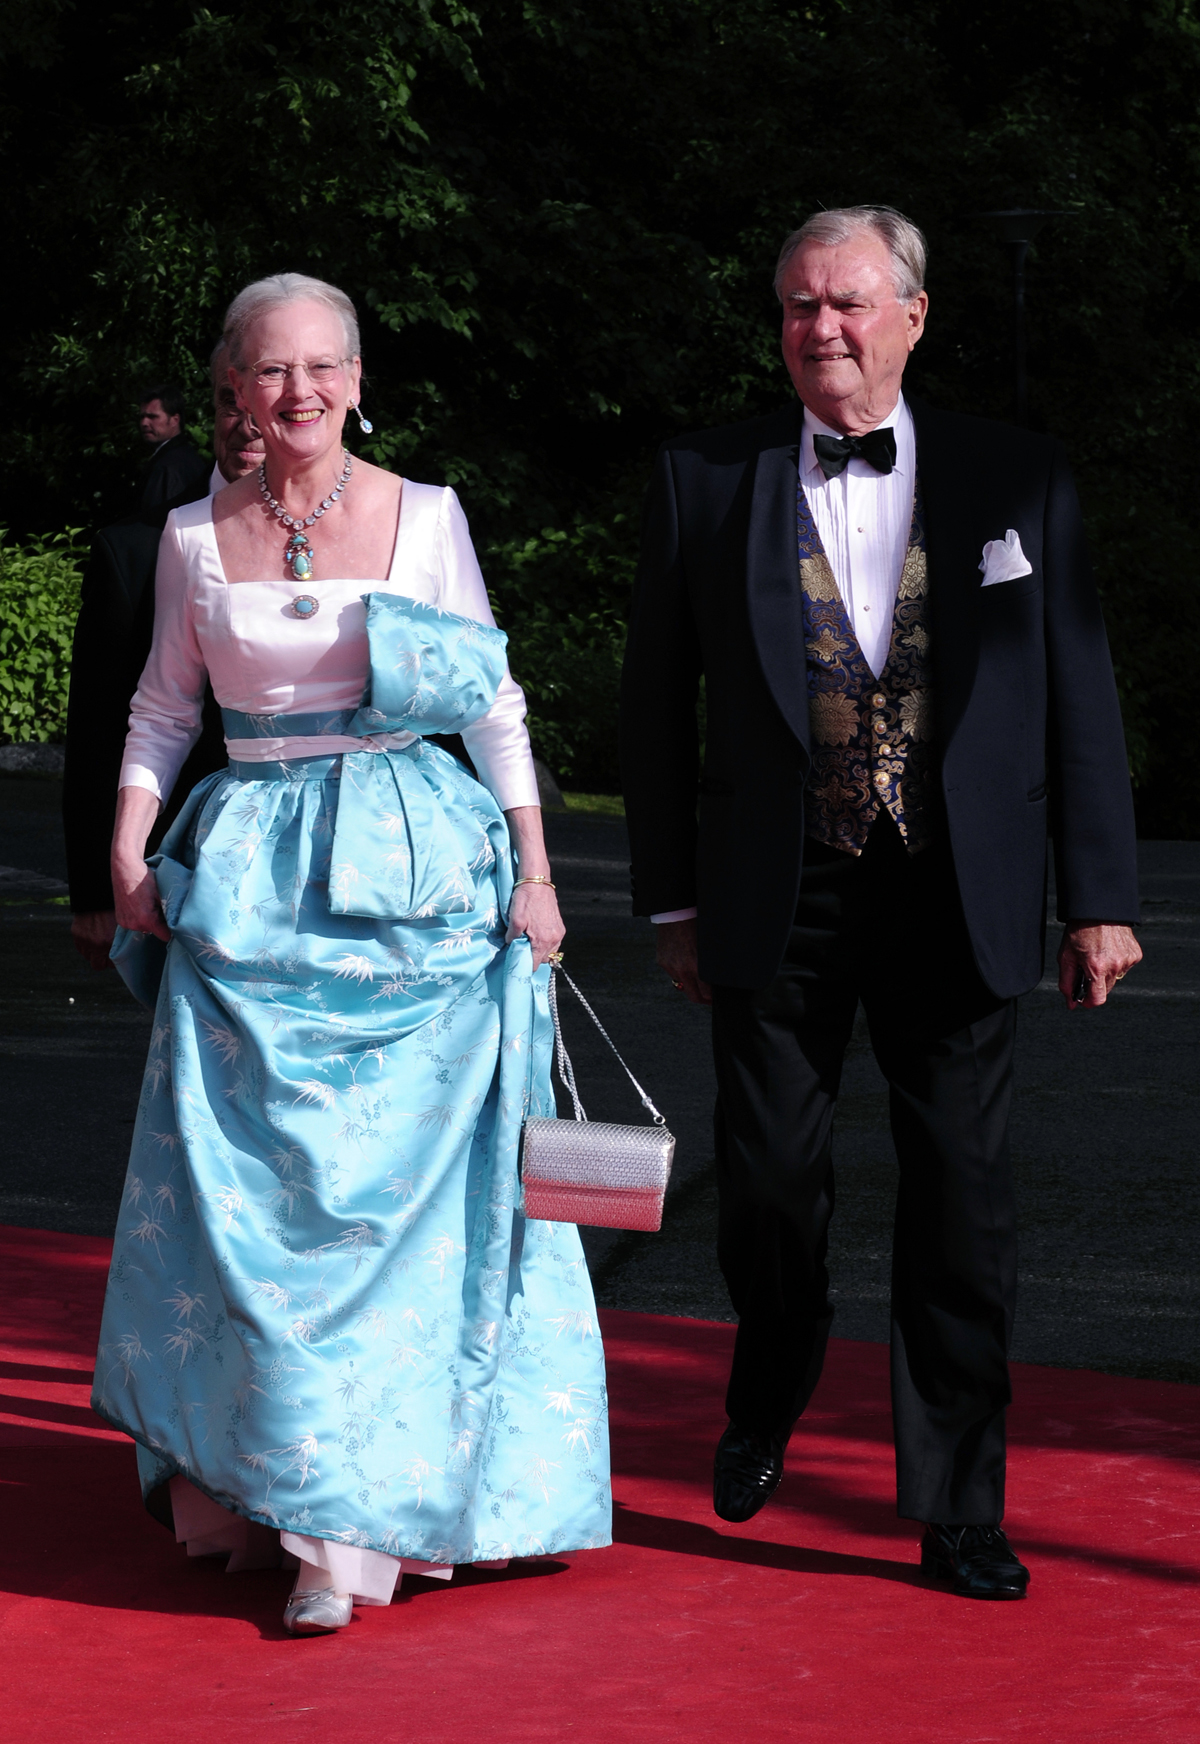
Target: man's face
[(236, 443), (154, 423), (846, 335)]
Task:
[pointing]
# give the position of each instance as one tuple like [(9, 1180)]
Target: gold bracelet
[(538, 878)]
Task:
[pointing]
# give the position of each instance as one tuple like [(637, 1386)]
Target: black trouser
[(885, 928)]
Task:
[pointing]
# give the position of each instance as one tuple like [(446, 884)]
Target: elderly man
[(907, 683), (112, 641), (175, 472)]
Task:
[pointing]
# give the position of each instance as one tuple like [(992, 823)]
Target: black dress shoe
[(977, 1561), (746, 1472)]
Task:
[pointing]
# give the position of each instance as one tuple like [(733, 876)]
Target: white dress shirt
[(262, 659), (864, 518)]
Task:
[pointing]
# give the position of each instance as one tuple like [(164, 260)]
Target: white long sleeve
[(263, 660), (499, 741), (164, 721)]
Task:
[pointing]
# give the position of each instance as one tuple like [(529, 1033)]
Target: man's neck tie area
[(877, 448)]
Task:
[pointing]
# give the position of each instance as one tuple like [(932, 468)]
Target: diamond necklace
[(298, 551)]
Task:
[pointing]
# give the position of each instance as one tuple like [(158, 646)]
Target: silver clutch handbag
[(593, 1171)]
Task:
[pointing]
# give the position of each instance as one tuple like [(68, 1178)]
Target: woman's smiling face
[(297, 382)]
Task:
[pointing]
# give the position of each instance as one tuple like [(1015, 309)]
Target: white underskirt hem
[(370, 1576)]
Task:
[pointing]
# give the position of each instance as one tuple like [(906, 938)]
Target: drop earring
[(365, 424)]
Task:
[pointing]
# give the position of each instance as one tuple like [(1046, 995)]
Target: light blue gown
[(325, 1308)]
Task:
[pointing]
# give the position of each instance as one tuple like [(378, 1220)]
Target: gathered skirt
[(325, 1309)]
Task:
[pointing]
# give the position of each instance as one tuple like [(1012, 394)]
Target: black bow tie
[(877, 448)]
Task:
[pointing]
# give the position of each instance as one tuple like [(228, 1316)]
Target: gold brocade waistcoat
[(873, 741)]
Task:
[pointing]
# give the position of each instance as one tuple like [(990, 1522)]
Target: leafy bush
[(39, 602), (561, 596)]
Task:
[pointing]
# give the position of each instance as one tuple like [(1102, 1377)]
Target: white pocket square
[(1004, 560)]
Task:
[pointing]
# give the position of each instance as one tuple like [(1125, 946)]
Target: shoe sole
[(740, 1519), (946, 1577)]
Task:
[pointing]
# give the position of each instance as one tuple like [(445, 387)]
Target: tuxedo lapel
[(774, 597), (953, 542)]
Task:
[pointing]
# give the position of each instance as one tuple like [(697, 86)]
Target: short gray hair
[(904, 242), (274, 293)]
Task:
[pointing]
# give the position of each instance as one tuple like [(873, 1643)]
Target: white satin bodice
[(262, 659)]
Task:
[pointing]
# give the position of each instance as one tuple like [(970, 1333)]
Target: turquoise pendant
[(305, 606), (299, 555)]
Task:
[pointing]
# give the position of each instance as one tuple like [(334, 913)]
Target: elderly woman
[(328, 1328)]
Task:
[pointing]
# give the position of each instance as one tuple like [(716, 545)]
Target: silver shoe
[(317, 1611)]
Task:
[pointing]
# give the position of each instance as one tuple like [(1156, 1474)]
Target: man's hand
[(93, 935), (676, 953), (1097, 953)]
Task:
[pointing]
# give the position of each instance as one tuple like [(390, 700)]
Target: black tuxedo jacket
[(176, 472), (113, 634), (1026, 706)]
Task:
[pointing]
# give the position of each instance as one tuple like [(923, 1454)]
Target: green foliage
[(39, 602), (605, 805), (559, 222), (567, 637)]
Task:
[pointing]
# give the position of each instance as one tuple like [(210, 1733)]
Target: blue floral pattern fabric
[(431, 671), (325, 1308)]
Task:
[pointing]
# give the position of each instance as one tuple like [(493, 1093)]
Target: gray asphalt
[(1104, 1130)]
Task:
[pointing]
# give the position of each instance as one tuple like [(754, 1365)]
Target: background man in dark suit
[(906, 677), (112, 641), (176, 472)]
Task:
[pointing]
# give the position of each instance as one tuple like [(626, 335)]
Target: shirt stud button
[(878, 701)]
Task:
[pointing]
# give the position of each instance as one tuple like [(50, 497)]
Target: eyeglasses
[(319, 370)]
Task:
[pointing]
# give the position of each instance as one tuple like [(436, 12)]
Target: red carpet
[(808, 1623)]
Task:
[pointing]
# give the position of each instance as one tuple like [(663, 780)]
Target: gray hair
[(274, 293), (904, 242)]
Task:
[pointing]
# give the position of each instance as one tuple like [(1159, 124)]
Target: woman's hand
[(534, 907), (134, 890), (138, 907), (534, 911)]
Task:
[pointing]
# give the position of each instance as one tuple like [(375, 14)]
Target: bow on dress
[(400, 849)]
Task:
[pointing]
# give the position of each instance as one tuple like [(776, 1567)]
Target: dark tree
[(560, 222)]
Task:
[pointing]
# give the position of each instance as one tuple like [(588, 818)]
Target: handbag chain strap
[(565, 1069)]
